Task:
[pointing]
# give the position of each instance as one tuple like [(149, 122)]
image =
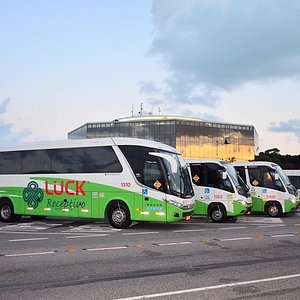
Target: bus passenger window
[(152, 175)]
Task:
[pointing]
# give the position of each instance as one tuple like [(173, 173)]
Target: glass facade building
[(194, 138)]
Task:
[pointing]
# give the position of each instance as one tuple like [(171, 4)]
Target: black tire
[(274, 210), (119, 216), (217, 214), (7, 212)]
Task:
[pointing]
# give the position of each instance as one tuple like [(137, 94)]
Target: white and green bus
[(270, 188), (122, 179), (219, 192), (294, 177)]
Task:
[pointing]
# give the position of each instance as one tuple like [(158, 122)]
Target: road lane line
[(41, 233), (140, 233), (8, 230), (271, 226), (213, 287), (86, 231), (173, 244), (26, 240), (236, 239), (188, 230), (282, 235), (85, 236), (29, 254), (231, 228), (107, 248)]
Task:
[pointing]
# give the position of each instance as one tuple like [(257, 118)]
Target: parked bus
[(270, 188), (294, 177), (219, 192), (122, 179)]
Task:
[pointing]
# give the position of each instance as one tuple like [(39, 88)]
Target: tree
[(287, 162)]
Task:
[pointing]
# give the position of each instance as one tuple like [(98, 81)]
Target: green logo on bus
[(32, 194)]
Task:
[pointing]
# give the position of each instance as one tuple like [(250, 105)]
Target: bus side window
[(146, 167), (10, 162), (198, 174), (254, 177), (153, 175), (267, 179)]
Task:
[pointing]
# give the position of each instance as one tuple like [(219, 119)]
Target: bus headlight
[(175, 203), (243, 202), (294, 201)]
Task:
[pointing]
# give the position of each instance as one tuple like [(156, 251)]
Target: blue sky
[(68, 62)]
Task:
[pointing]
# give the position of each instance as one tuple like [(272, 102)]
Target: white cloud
[(292, 126), (211, 46), (7, 135)]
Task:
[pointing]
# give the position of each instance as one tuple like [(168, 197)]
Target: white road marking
[(213, 287), (257, 219), (236, 239), (25, 240), (85, 236), (138, 233), (86, 231), (108, 248), (175, 243), (8, 230), (188, 230), (271, 226), (29, 254), (282, 235), (43, 233), (231, 228)]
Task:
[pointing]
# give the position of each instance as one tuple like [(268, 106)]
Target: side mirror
[(167, 157)]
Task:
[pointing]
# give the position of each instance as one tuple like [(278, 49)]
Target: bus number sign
[(125, 184)]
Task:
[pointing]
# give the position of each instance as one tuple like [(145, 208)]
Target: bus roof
[(292, 172), (209, 160), (254, 163), (72, 143)]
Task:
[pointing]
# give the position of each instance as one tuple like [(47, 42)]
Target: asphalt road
[(255, 258)]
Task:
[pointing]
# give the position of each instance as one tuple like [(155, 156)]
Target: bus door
[(153, 193), (202, 192)]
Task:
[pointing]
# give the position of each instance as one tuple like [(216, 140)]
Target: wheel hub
[(273, 210), (5, 212), (217, 214), (118, 216)]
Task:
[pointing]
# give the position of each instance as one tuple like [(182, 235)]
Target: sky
[(68, 62)]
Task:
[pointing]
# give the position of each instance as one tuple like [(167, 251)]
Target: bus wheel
[(119, 216), (217, 214), (7, 211), (274, 210)]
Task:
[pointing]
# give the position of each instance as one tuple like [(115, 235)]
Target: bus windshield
[(160, 170), (286, 181), (237, 180), (177, 174), (282, 175)]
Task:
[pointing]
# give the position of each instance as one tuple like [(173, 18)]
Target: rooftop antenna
[(151, 111), (159, 110), (132, 110), (141, 111)]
